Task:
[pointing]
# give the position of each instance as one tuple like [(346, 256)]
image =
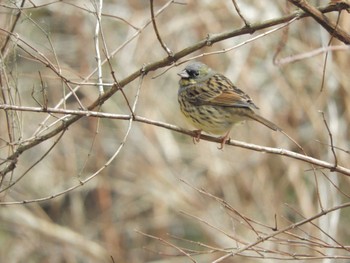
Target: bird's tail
[(264, 121)]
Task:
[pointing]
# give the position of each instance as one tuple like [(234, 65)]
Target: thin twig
[(167, 50), (292, 226), (331, 141), (7, 40), (7, 98), (321, 230), (326, 56), (43, 92), (169, 244), (335, 186), (116, 83), (34, 164), (310, 54), (224, 204), (313, 167), (335, 147), (89, 154), (98, 8), (282, 42), (247, 24)]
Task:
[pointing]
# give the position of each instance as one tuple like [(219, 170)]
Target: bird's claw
[(197, 136), (224, 139)]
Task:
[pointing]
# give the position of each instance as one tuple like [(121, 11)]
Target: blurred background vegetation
[(157, 190)]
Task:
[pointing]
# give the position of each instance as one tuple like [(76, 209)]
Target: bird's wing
[(220, 91)]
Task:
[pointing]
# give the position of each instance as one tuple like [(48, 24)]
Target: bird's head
[(194, 73)]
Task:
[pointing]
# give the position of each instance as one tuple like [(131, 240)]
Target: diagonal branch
[(167, 50), (247, 24), (14, 23), (316, 14)]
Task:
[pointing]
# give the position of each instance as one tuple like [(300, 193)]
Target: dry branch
[(330, 26), (73, 114)]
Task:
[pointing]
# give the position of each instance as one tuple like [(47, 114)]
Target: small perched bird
[(212, 103)]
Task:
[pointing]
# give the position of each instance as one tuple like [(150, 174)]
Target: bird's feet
[(197, 136), (224, 139)]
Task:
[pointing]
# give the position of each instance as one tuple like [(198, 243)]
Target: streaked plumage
[(212, 103)]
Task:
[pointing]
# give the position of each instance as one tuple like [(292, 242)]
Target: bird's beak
[(183, 74)]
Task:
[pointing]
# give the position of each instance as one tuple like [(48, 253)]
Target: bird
[(213, 104)]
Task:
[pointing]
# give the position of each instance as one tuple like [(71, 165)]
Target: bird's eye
[(193, 73)]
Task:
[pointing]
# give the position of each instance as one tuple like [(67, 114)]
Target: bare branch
[(98, 8), (14, 23), (167, 50), (331, 140), (326, 57), (292, 226), (323, 20), (247, 24), (169, 244), (72, 115), (310, 54), (34, 164)]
